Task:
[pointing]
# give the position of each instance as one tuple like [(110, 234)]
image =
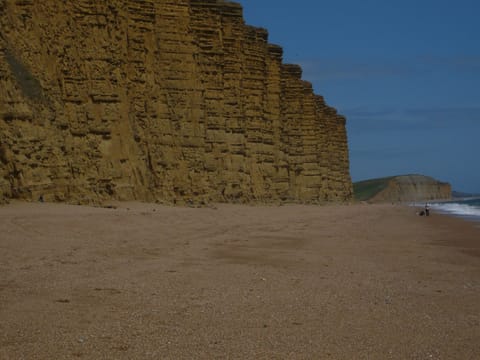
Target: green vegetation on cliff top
[(365, 190)]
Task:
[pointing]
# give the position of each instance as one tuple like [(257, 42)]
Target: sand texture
[(144, 281)]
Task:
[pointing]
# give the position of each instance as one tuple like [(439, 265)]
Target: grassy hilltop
[(401, 188), (367, 189)]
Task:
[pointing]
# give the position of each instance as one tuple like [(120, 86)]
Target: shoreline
[(148, 281), (435, 208)]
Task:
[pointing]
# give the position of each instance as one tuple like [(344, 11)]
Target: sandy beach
[(144, 281)]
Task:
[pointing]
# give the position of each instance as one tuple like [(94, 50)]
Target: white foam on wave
[(457, 209)]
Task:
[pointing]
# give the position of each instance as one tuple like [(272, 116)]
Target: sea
[(468, 209)]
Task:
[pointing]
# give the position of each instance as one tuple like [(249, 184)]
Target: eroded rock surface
[(168, 100), (413, 188)]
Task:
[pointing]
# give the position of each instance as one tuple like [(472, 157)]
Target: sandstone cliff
[(405, 188), (158, 100)]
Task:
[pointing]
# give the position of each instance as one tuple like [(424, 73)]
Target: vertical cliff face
[(407, 188), (158, 100)]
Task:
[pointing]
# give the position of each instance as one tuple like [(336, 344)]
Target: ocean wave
[(457, 209)]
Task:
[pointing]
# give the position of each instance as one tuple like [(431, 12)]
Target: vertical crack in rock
[(176, 101)]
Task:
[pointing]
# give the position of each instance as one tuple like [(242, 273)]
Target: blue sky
[(406, 74)]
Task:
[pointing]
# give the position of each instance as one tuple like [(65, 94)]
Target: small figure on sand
[(425, 211)]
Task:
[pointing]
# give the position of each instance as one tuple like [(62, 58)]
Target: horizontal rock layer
[(410, 188), (169, 100)]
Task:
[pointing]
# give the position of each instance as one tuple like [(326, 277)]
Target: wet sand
[(143, 281)]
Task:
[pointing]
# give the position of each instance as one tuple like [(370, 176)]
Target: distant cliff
[(405, 188), (171, 101)]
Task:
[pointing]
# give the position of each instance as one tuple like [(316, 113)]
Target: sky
[(405, 73)]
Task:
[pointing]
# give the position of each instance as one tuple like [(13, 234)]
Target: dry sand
[(144, 281)]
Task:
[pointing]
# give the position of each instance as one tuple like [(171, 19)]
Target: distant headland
[(402, 188)]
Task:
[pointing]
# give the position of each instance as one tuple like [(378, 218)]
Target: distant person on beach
[(425, 211)]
